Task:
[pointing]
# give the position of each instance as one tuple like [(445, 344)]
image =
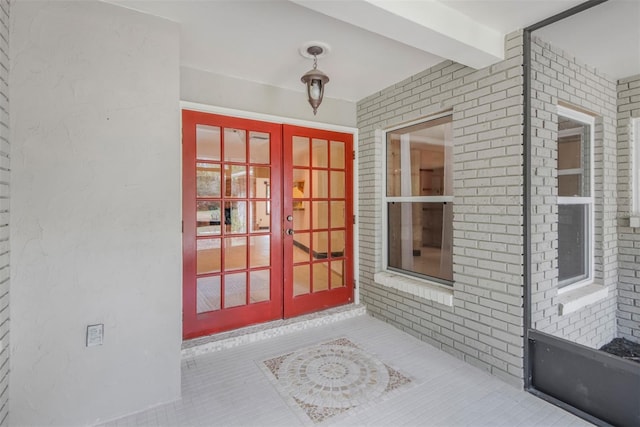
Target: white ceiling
[(606, 36), (374, 43)]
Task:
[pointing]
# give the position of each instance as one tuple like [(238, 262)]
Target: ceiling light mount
[(314, 79), (315, 51), (305, 47)]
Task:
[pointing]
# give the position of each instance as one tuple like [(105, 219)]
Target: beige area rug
[(322, 381)]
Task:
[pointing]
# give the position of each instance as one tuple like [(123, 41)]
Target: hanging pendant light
[(315, 79)]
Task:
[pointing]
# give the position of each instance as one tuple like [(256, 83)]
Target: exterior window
[(575, 197), (419, 200)]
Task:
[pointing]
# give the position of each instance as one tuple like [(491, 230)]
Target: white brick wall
[(4, 212), (628, 238), (560, 78), (485, 325)]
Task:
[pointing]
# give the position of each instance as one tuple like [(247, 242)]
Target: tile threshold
[(263, 331)]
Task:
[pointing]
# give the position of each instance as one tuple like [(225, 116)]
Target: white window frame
[(634, 144), (589, 255), (411, 199)]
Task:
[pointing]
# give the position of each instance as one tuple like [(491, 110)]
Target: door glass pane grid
[(233, 202), (319, 200)]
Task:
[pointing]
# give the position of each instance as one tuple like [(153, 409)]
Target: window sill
[(581, 297), (415, 287)]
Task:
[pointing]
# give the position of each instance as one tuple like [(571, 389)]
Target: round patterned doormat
[(330, 378)]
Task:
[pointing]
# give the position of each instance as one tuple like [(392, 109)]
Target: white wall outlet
[(634, 222), (95, 334)]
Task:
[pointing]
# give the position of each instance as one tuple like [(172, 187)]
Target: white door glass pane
[(301, 247), (320, 212), (259, 147), (208, 218), (320, 272), (337, 214), (235, 181), (337, 185), (207, 142), (208, 289), (235, 253), (260, 286), (320, 156), (301, 280), (337, 155), (235, 217), (208, 179), (235, 289), (338, 243), (235, 145), (259, 217), (320, 245), (337, 274), (259, 182), (300, 151), (320, 184), (207, 256), (259, 251), (301, 215)]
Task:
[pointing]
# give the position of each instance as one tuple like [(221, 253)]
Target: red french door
[(318, 243), (266, 221), (232, 223)]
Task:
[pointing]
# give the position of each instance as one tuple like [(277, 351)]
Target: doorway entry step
[(263, 331)]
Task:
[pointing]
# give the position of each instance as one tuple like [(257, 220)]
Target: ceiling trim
[(429, 26)]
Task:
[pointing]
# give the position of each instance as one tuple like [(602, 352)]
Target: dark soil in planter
[(624, 348)]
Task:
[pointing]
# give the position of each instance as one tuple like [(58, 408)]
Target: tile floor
[(233, 388)]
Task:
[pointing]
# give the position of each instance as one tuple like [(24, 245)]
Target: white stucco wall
[(95, 213), (228, 92)]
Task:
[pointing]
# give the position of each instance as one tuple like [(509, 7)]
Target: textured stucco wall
[(95, 211)]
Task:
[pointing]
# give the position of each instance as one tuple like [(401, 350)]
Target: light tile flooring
[(233, 388)]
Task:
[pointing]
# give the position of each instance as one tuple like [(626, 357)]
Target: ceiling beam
[(426, 25)]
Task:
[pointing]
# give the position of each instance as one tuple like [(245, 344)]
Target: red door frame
[(195, 324), (282, 303), (307, 303)]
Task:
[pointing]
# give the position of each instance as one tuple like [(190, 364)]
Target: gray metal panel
[(602, 385)]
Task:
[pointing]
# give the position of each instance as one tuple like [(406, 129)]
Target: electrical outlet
[(95, 335)]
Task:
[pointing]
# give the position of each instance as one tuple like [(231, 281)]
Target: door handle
[(289, 231)]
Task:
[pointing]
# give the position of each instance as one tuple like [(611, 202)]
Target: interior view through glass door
[(318, 249), (231, 223), (267, 222)]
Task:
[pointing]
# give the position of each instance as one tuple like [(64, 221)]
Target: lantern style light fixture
[(315, 79)]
